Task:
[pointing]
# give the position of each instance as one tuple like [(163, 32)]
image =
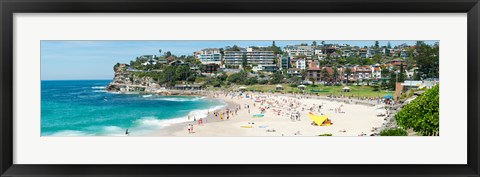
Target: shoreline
[(182, 126)]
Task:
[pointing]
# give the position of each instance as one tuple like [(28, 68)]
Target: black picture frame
[(9, 7)]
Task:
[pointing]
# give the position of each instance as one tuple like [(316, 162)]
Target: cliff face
[(126, 81)]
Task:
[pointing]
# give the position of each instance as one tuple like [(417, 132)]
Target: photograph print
[(239, 88)]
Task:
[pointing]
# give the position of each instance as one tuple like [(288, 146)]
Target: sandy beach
[(348, 119)]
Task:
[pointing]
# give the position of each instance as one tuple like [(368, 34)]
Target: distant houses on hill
[(310, 62)]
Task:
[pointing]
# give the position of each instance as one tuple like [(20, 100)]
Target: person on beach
[(188, 128), (191, 128)]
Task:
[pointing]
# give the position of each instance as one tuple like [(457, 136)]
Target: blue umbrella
[(388, 96)]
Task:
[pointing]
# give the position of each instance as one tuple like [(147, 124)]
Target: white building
[(235, 58), (299, 50), (209, 56), (265, 68), (301, 63), (318, 52)]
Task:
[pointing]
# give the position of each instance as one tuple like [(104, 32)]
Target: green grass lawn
[(355, 91)]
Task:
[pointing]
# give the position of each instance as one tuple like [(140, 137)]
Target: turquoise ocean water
[(85, 108)]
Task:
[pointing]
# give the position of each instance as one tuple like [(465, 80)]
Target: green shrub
[(422, 114), (262, 82), (200, 79), (326, 134), (407, 94), (394, 132)]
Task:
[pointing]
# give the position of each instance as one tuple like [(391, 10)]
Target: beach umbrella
[(346, 88), (302, 87), (388, 96), (279, 87), (318, 119)]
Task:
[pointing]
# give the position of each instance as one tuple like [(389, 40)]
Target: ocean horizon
[(86, 108)]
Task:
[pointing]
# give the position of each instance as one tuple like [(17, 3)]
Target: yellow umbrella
[(318, 119)]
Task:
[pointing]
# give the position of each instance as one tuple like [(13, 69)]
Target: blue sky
[(90, 60)]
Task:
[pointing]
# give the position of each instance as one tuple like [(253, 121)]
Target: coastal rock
[(126, 80)]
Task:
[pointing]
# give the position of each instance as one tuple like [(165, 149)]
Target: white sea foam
[(147, 124), (99, 87), (70, 133), (100, 91), (179, 99), (113, 131)]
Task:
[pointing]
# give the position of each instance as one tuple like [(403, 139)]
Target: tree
[(235, 48), (238, 78), (314, 43), (168, 54), (348, 71), (389, 45), (222, 51), (276, 50), (335, 74), (377, 44), (303, 74), (222, 77), (159, 51), (422, 114), (168, 75), (367, 61), (244, 60), (312, 80), (377, 58), (401, 78), (251, 81), (427, 60), (325, 74), (393, 80), (182, 72), (277, 77)]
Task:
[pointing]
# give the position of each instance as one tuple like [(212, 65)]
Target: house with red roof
[(313, 72)]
